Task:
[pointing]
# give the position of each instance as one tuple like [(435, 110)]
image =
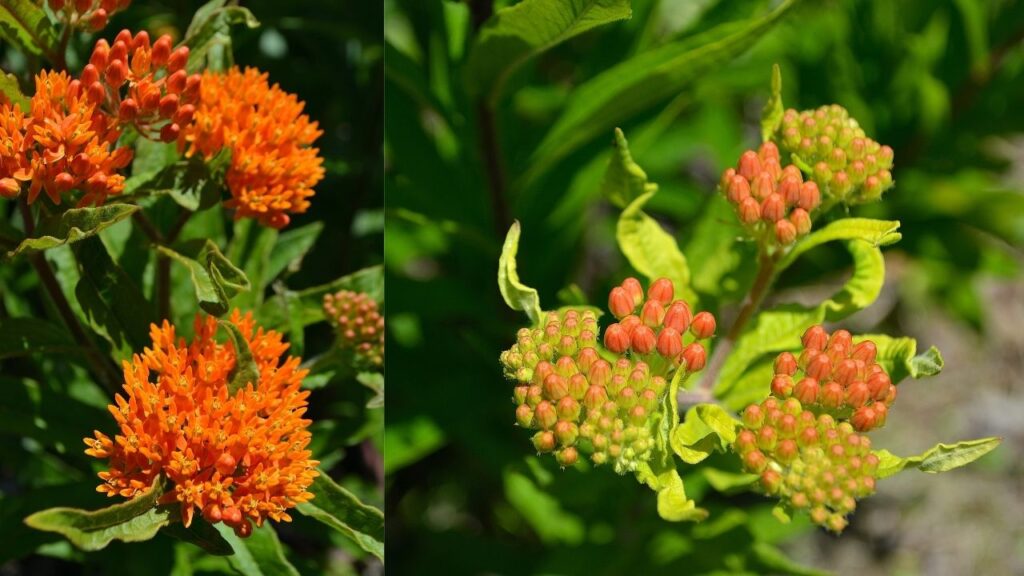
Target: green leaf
[(727, 482), (113, 304), (517, 295), (208, 36), (641, 82), (775, 561), (245, 371), (375, 382), (136, 520), (292, 245), (517, 33), (940, 458), (24, 336), (193, 183), (10, 89), (215, 278), (900, 359), (260, 554), (202, 534), (72, 226), (624, 180), (706, 428), (874, 232), (771, 116), (673, 504), (25, 23), (296, 309), (651, 250), (542, 511), (342, 511)]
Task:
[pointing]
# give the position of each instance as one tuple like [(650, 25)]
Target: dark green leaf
[(10, 89), (72, 226), (374, 381), (215, 278), (643, 81), (22, 336), (208, 36), (202, 534), (25, 23), (292, 245), (517, 33), (261, 554), (245, 371), (342, 511), (136, 520), (294, 309)]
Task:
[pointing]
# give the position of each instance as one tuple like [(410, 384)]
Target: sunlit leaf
[(341, 510), (517, 295), (940, 458), (72, 226)]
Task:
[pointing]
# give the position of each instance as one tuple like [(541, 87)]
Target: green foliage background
[(937, 81), (330, 54)]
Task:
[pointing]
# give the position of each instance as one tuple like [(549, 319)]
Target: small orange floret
[(236, 457), (273, 166)]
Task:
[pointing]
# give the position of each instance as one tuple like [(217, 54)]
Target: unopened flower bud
[(177, 60), (749, 211), (616, 339), (806, 391), (620, 303), (643, 340), (773, 208), (678, 317), (738, 190), (567, 456), (695, 357), (753, 416), (819, 367), (857, 394), (703, 325), (755, 461), (815, 338), (831, 395), (524, 416), (670, 343), (662, 291), (544, 441), (782, 386), (801, 220), (545, 415), (750, 165), (566, 433), (810, 197), (652, 314), (785, 232), (633, 287)]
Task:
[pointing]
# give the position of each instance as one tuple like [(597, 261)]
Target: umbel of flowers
[(234, 456), (805, 441), (773, 203), (851, 167), (604, 401), (359, 325)]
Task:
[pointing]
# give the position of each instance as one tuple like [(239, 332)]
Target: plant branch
[(762, 282), (102, 368)]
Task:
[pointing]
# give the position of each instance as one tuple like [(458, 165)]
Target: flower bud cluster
[(359, 324), (849, 166), (835, 376), (144, 84), (93, 14), (563, 334), (659, 326), (810, 462), (771, 201)]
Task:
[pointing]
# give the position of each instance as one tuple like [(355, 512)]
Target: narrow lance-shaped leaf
[(136, 520), (874, 232), (624, 180), (517, 33), (517, 295), (771, 116), (641, 82), (10, 89), (245, 371), (341, 510), (940, 458), (73, 225), (202, 534), (24, 23), (214, 277)]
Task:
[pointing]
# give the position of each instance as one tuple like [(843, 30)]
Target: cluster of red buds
[(92, 13), (662, 326), (578, 401), (143, 84), (772, 202), (850, 166), (810, 462), (836, 376), (359, 324)]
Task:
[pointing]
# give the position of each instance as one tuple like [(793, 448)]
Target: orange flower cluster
[(94, 13), (237, 457), (273, 166), (143, 84), (65, 143)]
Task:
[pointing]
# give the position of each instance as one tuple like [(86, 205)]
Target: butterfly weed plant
[(117, 175), (661, 387)]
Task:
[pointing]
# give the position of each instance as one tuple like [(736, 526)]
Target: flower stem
[(101, 367)]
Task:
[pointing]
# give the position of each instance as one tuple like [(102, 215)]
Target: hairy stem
[(102, 368), (762, 282)]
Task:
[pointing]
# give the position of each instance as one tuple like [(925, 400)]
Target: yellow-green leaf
[(517, 295), (72, 226), (940, 458)]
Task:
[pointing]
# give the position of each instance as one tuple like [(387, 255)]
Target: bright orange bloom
[(273, 166), (71, 144), (235, 456), (14, 168)]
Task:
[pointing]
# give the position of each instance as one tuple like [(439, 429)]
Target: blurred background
[(330, 54), (938, 80)]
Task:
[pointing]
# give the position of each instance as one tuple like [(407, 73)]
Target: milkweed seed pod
[(235, 456), (839, 156), (359, 325), (143, 84), (91, 14), (772, 202), (810, 462), (604, 401)]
